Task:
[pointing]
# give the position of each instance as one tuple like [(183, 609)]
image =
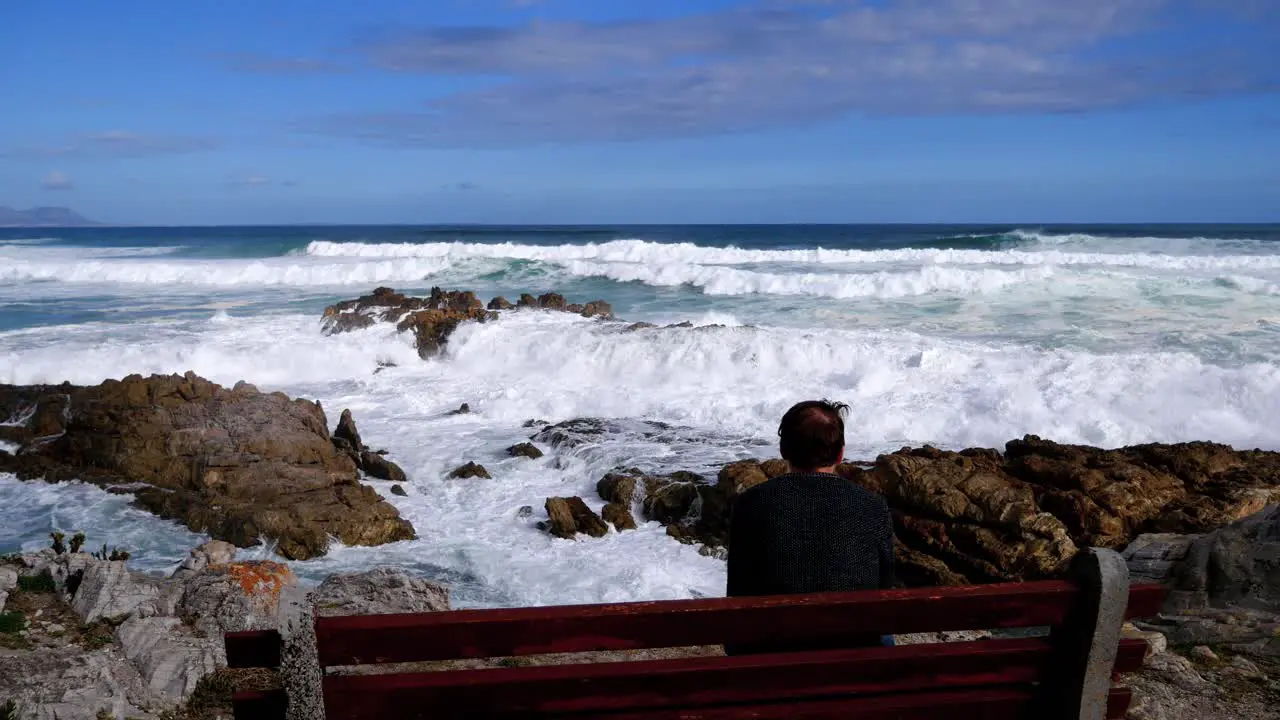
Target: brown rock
[(347, 431), (620, 515), (638, 326), (470, 470), (980, 516), (597, 308), (527, 300), (528, 450), (237, 464), (500, 303), (569, 516), (774, 467), (381, 468), (398, 490), (551, 301), (618, 488), (738, 477)]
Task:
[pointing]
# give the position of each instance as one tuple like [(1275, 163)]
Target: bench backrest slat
[(798, 619), (700, 682)]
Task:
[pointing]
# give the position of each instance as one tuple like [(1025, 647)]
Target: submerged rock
[(470, 470), (528, 450), (235, 463), (433, 319)]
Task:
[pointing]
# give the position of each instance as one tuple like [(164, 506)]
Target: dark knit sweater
[(809, 532)]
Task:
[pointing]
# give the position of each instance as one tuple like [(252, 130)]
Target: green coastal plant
[(8, 710), (59, 544), (12, 622), (116, 554), (77, 542), (41, 583)]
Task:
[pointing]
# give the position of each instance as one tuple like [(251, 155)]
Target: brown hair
[(812, 434)]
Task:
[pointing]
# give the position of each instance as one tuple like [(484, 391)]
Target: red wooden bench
[(1067, 673)]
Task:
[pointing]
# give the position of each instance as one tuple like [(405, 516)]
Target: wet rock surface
[(981, 515), (433, 319), (235, 463)]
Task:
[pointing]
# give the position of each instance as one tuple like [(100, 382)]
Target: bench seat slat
[(635, 626), (1009, 703), (690, 682)]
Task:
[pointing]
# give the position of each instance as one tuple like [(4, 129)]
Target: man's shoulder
[(836, 485)]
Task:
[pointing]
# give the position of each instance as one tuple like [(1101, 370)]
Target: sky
[(663, 111)]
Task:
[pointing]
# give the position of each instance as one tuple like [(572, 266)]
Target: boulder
[(108, 590), (463, 409), (214, 552), (569, 516), (597, 308), (500, 303), (1237, 566), (237, 464), (374, 465), (619, 516), (169, 657), (399, 491), (619, 488), (70, 683), (1154, 557), (552, 301), (380, 591), (527, 300), (234, 597), (527, 450), (470, 470), (8, 581), (347, 431)]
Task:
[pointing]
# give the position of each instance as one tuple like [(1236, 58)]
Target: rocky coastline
[(82, 635), (235, 463)]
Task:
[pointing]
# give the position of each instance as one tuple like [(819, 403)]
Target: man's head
[(812, 435)]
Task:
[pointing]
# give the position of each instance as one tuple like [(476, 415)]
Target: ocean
[(954, 336)]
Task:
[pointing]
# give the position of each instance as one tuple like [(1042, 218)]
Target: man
[(810, 530)]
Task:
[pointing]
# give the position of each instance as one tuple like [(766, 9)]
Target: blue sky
[(546, 111)]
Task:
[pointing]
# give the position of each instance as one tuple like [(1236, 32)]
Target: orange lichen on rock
[(260, 577)]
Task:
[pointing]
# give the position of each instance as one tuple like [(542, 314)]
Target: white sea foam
[(718, 280), (667, 254), (225, 273), (9, 447), (723, 388)]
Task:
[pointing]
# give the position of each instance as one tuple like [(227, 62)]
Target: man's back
[(809, 532)]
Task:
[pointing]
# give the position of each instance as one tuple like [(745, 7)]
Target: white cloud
[(57, 181), (779, 62)]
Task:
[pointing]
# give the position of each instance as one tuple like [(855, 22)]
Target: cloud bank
[(772, 64)]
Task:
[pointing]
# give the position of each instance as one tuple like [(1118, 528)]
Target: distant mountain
[(43, 217)]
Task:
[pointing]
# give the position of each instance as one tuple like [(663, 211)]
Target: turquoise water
[(949, 335)]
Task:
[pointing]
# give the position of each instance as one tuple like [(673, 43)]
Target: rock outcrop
[(1236, 566), (346, 440), (235, 463), (470, 470), (527, 450), (980, 515), (134, 645), (569, 516), (434, 318)]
